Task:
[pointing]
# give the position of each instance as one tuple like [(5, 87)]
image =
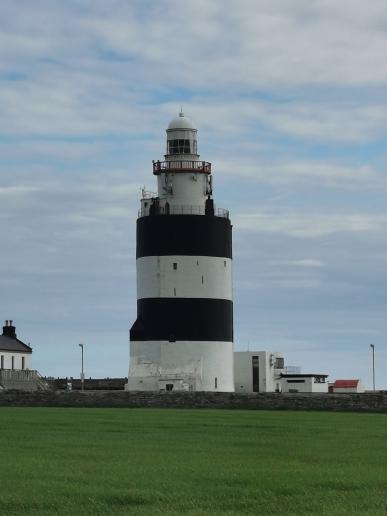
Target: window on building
[(225, 263), (174, 292), (216, 382), (255, 367), (175, 266), (202, 280), (23, 363), (13, 363), (179, 147), (319, 379), (2, 361)]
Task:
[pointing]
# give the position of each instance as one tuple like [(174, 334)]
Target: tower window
[(175, 266), (179, 147)]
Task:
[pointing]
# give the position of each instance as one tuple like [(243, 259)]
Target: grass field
[(147, 461)]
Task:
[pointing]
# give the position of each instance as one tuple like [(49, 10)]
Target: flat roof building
[(257, 371), (304, 383)]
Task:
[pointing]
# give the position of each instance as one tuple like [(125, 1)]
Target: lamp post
[(373, 365), (82, 374)]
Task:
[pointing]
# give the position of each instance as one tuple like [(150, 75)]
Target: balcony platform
[(201, 167)]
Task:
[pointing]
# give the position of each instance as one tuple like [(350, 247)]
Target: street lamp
[(82, 374), (373, 364)]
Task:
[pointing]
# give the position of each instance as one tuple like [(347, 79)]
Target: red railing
[(202, 167)]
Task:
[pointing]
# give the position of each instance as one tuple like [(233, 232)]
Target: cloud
[(289, 98), (304, 262), (12, 191), (256, 44), (310, 225), (288, 172)]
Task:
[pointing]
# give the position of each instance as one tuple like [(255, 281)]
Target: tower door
[(255, 366)]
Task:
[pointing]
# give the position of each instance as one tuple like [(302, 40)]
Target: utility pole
[(373, 365), (82, 374)]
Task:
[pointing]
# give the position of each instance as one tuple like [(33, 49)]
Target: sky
[(290, 101)]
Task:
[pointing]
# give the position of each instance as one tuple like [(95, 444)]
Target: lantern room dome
[(181, 122)]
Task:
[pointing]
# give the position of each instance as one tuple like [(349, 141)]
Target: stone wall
[(367, 402), (90, 384)]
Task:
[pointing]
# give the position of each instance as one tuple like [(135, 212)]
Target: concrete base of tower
[(181, 365)]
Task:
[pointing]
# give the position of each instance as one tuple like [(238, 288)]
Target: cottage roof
[(10, 342), (345, 384)]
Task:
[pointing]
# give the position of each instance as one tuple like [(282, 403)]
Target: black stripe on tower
[(183, 319), (184, 235)]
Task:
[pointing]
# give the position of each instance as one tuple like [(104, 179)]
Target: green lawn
[(148, 461)]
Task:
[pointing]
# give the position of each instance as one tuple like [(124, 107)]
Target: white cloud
[(309, 225), (290, 101), (12, 191), (254, 43), (304, 262), (289, 172)]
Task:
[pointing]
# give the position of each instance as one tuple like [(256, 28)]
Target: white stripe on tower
[(184, 276)]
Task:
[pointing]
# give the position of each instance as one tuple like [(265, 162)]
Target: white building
[(15, 363), (182, 338), (304, 383), (14, 354), (257, 371)]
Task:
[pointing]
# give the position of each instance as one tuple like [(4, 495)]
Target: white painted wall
[(7, 361), (243, 371), (183, 188), (195, 277), (195, 364), (309, 385)]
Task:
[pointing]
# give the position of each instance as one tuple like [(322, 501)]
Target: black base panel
[(184, 235), (183, 319)]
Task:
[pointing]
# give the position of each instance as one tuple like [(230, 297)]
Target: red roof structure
[(345, 384)]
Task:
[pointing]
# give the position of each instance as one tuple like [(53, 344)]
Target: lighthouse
[(182, 338)]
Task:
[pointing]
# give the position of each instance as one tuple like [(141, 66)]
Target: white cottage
[(14, 354)]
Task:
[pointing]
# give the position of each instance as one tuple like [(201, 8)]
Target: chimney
[(9, 330)]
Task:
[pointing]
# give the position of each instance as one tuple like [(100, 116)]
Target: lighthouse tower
[(182, 338)]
